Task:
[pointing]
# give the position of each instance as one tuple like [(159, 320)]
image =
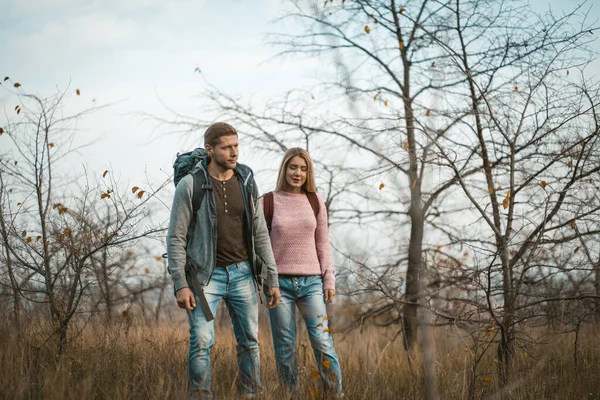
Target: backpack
[(187, 163), (269, 205)]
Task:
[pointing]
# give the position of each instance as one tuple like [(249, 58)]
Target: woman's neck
[(292, 190)]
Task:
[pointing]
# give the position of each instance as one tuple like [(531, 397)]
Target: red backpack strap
[(314, 202), (268, 204)]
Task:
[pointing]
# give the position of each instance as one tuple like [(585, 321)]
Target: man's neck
[(219, 173)]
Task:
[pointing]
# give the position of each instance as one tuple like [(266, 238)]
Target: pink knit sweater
[(300, 242)]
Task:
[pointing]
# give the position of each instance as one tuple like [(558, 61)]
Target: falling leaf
[(401, 45), (115, 233), (433, 64), (17, 107), (19, 111), (381, 186), (385, 103), (326, 364), (567, 72), (495, 361), (78, 92), (1, 131), (428, 112), (24, 233), (29, 239), (491, 190), (406, 144), (570, 164), (158, 258), (401, 10), (47, 243), (543, 184), (62, 210), (75, 251), (314, 374), (573, 224), (508, 194), (67, 231), (506, 202), (465, 349), (134, 189), (582, 143), (328, 330), (376, 96), (104, 174), (6, 78), (576, 250), (487, 379), (50, 144), (367, 29), (19, 204), (516, 89), (106, 237), (56, 205), (37, 238), (320, 324), (17, 85), (140, 194), (105, 196)]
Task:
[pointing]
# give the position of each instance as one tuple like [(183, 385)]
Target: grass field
[(129, 360)]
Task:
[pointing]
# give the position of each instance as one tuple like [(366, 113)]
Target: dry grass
[(134, 361)]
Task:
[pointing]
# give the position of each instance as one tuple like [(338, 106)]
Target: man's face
[(225, 153)]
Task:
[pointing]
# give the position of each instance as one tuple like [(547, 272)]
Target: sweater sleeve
[(323, 247), (181, 215)]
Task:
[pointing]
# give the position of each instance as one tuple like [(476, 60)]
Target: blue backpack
[(187, 163)]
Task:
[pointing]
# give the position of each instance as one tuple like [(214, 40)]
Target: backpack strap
[(268, 205), (314, 202), (197, 196)]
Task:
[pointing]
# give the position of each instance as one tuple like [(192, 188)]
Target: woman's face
[(295, 173)]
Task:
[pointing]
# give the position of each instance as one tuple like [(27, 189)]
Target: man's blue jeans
[(235, 285), (305, 292)]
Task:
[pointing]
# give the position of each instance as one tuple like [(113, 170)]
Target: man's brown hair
[(216, 131)]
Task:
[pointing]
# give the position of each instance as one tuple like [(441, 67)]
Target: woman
[(297, 221)]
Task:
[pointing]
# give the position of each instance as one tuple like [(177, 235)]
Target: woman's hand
[(329, 295)]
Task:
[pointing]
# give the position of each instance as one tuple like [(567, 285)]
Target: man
[(221, 252)]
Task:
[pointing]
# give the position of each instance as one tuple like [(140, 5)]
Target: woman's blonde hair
[(309, 184)]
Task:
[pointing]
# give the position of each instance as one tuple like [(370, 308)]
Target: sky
[(141, 56)]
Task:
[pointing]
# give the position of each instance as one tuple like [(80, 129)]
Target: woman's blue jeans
[(306, 293)]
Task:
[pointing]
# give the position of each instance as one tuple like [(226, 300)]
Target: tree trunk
[(409, 313)]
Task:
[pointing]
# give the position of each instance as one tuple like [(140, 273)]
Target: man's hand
[(329, 295), (185, 299), (274, 297)]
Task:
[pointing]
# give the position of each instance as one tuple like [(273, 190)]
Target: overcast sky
[(134, 52)]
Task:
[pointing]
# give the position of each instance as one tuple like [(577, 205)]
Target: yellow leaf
[(573, 224), (17, 85), (428, 112), (320, 324), (140, 194), (105, 196), (19, 204), (78, 92), (18, 111), (134, 189), (376, 96), (50, 144), (87, 235), (487, 379), (381, 186), (104, 174), (37, 238), (582, 143), (24, 233), (1, 131), (17, 107), (67, 231), (495, 361), (29, 239), (433, 64), (406, 144), (543, 184), (465, 349), (56, 205), (47, 243), (385, 103), (367, 29), (75, 251), (491, 190), (328, 330), (401, 45), (6, 78), (62, 210), (401, 11), (314, 374), (506, 202), (508, 194), (158, 258), (313, 392), (326, 364), (576, 250), (570, 164)]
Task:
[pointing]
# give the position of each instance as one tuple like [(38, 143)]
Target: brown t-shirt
[(231, 235)]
